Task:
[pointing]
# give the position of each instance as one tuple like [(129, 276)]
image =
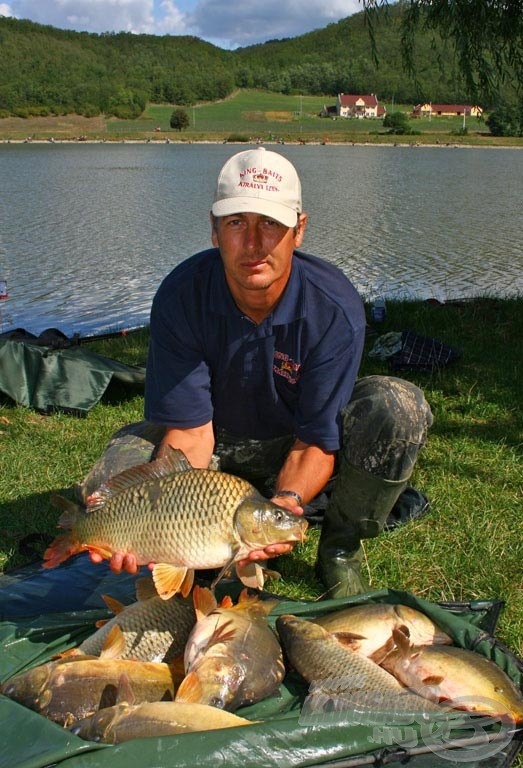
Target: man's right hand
[(120, 561)]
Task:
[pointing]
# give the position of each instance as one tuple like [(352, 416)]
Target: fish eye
[(216, 701)]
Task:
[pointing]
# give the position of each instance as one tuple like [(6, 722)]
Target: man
[(254, 353)]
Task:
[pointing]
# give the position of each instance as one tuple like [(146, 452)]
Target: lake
[(87, 231)]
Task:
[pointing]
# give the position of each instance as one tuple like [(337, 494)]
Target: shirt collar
[(290, 307)]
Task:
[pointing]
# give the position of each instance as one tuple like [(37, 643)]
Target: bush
[(397, 123), (179, 119)]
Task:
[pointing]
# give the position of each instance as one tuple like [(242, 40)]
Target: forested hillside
[(44, 70)]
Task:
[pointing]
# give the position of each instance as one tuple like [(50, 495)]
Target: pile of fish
[(176, 661), (161, 667)]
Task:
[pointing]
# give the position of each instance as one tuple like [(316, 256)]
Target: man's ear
[(299, 229), (214, 236)]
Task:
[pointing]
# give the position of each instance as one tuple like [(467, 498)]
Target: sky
[(223, 23)]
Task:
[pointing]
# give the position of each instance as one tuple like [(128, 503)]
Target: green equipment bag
[(280, 737)]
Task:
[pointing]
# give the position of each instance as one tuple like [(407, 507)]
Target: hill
[(44, 70)]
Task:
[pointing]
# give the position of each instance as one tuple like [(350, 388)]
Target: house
[(356, 105), (446, 110)]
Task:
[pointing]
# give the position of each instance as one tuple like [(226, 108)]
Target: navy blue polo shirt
[(289, 375)]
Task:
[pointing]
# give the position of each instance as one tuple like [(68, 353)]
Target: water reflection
[(88, 231)]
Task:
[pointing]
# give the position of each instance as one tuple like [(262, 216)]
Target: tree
[(487, 36), (179, 119), (396, 122), (506, 120)]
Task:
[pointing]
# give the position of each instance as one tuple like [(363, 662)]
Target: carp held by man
[(179, 518)]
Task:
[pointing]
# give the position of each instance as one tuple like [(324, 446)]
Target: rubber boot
[(358, 508)]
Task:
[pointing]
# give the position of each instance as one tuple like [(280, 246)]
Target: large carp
[(180, 518), (151, 629), (160, 718), (460, 678), (367, 628), (341, 679), (232, 657), (68, 690)]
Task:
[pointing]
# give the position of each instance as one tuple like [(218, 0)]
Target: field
[(249, 116)]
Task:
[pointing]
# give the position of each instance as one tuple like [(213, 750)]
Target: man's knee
[(385, 424)]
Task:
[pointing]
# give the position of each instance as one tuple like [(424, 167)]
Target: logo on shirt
[(285, 366)]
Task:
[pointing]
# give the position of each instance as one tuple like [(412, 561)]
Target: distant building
[(446, 110), (359, 105)]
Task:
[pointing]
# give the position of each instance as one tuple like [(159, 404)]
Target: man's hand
[(120, 561)]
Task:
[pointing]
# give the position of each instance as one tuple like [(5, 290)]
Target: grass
[(468, 547), (249, 115)]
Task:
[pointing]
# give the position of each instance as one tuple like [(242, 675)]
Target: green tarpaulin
[(280, 737), (48, 379)]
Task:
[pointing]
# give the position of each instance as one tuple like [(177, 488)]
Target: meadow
[(251, 115)]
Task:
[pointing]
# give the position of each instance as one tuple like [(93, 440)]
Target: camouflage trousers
[(383, 428)]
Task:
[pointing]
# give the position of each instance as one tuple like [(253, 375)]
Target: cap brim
[(282, 213)]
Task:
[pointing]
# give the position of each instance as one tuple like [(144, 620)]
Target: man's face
[(256, 250)]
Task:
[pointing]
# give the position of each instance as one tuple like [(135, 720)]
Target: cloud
[(227, 24), (89, 15), (251, 22)]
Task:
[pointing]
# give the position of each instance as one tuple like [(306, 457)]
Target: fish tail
[(62, 548)]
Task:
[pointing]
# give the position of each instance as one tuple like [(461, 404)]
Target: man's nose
[(253, 235)]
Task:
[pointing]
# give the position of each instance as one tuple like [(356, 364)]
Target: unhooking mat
[(48, 379), (282, 737)]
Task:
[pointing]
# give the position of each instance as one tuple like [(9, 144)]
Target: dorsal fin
[(114, 644), (171, 462), (145, 588), (204, 602), (114, 605)]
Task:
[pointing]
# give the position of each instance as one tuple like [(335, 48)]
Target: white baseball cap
[(259, 181)]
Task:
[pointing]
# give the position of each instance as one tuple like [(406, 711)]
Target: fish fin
[(222, 634), (226, 602), (187, 583), (114, 605), (380, 654), (204, 602), (66, 655), (171, 462), (190, 690), (349, 639), (61, 549), (114, 644), (401, 641), (254, 603), (168, 579), (145, 588), (101, 623), (124, 691), (224, 570), (433, 680), (251, 575)]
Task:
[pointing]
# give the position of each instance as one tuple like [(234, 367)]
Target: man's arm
[(197, 443), (306, 470)]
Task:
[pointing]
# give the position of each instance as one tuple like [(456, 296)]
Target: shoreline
[(351, 143)]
